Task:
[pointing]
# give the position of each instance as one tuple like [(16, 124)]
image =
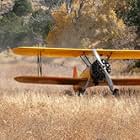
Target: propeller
[(107, 76)]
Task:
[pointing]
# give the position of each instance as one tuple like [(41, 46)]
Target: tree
[(41, 23), (130, 13), (90, 22), (131, 16), (53, 3), (22, 7), (13, 32)]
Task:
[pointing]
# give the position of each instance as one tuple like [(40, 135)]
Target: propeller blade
[(107, 76), (97, 57), (109, 80)]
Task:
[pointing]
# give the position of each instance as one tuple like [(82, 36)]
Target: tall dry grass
[(37, 116)]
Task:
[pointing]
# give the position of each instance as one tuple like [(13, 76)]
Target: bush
[(13, 32), (53, 3), (41, 23), (130, 14), (11, 23), (22, 7), (137, 64)]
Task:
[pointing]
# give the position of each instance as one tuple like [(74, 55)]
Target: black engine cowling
[(96, 71)]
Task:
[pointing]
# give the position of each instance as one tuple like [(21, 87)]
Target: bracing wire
[(86, 60)]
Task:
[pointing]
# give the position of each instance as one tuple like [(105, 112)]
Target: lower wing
[(74, 81), (126, 81), (50, 80)]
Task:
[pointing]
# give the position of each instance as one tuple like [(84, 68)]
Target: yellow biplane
[(95, 74)]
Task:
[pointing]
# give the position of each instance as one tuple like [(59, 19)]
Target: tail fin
[(75, 72)]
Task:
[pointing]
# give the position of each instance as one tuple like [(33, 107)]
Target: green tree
[(41, 23), (130, 13), (22, 7), (14, 32), (53, 3)]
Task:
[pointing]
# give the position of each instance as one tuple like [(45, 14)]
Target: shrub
[(22, 7), (137, 64), (13, 32), (41, 23)]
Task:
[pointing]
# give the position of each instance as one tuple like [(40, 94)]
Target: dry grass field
[(35, 112)]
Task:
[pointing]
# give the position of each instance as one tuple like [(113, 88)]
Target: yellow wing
[(71, 52)]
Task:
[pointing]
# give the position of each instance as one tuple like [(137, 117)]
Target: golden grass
[(37, 116), (34, 112)]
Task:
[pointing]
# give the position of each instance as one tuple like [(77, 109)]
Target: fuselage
[(86, 74)]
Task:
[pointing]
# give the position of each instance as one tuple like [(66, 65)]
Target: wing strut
[(39, 64), (86, 60)]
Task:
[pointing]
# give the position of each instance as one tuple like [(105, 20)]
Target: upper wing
[(71, 52)]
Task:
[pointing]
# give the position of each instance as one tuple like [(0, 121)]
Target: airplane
[(96, 73)]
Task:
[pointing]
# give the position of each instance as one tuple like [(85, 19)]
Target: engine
[(96, 70)]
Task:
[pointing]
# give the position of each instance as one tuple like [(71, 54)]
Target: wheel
[(115, 92), (81, 92)]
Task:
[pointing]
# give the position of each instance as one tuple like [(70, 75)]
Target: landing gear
[(81, 92), (115, 92)]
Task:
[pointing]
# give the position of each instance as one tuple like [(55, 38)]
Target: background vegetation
[(22, 7), (80, 23), (23, 26)]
